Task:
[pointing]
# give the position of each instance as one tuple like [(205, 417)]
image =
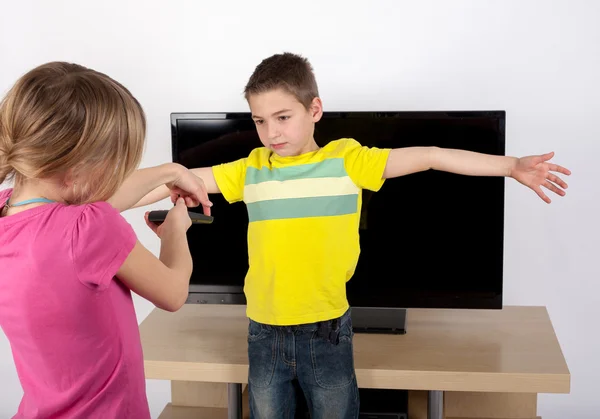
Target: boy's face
[(284, 125)]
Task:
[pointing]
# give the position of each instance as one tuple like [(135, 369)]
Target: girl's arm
[(169, 178), (205, 174), (164, 281)]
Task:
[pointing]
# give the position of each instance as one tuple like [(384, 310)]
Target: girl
[(70, 138)]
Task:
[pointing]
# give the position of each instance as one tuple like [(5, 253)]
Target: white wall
[(538, 60)]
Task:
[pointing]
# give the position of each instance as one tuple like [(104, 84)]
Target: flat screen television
[(430, 240)]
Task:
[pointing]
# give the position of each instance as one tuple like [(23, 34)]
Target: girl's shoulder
[(99, 220), (101, 241)]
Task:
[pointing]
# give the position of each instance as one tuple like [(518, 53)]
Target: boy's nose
[(273, 132)]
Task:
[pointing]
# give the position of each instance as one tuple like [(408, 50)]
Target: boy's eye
[(258, 121), (284, 118)]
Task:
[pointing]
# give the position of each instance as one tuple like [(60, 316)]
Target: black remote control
[(158, 217)]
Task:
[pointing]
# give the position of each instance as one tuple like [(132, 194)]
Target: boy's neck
[(310, 147)]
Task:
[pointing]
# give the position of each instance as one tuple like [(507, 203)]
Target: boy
[(304, 206)]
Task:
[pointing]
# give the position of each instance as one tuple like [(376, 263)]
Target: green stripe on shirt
[(326, 168), (323, 206)]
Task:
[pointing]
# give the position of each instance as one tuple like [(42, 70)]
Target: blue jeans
[(317, 357)]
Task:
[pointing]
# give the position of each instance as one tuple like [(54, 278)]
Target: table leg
[(234, 401), (435, 404)]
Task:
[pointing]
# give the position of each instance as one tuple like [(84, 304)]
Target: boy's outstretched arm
[(149, 185), (205, 176), (531, 171)]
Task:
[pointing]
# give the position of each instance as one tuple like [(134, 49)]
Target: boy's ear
[(316, 109)]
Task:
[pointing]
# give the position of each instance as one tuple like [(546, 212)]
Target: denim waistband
[(311, 327)]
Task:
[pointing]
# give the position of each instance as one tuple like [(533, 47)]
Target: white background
[(538, 60)]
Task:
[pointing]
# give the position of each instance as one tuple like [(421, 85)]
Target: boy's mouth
[(278, 146)]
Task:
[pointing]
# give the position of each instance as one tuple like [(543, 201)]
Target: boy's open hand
[(535, 172), (191, 188)]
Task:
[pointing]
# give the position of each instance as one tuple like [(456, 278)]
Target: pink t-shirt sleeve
[(102, 240)]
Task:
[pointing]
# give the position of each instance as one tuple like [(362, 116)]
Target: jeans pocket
[(256, 331), (262, 355), (333, 364)]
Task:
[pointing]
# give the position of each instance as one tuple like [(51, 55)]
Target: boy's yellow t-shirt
[(304, 213)]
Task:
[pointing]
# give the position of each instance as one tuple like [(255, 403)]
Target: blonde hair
[(64, 119)]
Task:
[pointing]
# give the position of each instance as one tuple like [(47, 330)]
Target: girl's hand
[(191, 188), (177, 220)]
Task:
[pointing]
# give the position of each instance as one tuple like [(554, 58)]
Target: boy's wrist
[(511, 164)]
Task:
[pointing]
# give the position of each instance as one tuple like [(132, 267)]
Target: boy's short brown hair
[(286, 71)]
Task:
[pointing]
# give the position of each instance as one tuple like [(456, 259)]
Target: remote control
[(158, 217)]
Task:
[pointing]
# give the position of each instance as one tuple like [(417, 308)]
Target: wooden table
[(486, 364)]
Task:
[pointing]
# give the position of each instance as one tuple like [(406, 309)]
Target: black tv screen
[(431, 239)]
